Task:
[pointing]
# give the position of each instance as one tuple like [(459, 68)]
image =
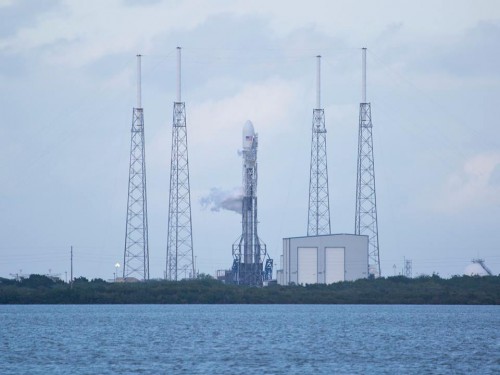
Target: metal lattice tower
[(136, 255), (408, 268), (180, 264), (318, 222), (366, 202)]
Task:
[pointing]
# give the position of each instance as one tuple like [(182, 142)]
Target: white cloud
[(6, 3), (266, 103), (471, 187)]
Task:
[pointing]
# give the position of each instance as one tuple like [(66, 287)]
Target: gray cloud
[(471, 54), (495, 177), (23, 13), (140, 2)]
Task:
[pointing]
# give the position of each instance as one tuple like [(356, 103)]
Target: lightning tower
[(318, 222), (249, 252), (136, 255), (408, 271), (180, 264), (366, 201)]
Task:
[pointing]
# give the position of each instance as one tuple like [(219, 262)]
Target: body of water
[(249, 339)]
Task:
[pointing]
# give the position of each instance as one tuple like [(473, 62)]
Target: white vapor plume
[(219, 199)]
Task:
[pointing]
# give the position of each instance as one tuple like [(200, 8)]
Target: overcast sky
[(67, 88)]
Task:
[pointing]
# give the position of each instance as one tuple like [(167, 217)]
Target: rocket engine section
[(249, 252)]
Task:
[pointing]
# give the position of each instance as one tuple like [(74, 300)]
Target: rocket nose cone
[(248, 134), (248, 128)]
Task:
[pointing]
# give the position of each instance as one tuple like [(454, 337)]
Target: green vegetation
[(39, 289)]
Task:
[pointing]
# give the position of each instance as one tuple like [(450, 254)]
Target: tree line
[(39, 289)]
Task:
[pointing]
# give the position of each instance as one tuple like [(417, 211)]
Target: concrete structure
[(323, 259)]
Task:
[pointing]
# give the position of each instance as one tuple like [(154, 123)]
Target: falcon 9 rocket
[(249, 252)]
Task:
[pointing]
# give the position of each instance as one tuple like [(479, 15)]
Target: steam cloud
[(219, 199)]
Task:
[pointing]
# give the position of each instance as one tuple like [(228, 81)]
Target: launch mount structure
[(366, 201), (136, 254), (318, 222), (180, 258)]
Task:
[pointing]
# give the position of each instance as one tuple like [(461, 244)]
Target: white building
[(323, 259)]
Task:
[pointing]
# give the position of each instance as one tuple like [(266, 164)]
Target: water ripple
[(266, 339)]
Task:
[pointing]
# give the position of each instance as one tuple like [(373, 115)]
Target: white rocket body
[(251, 252), (249, 143)]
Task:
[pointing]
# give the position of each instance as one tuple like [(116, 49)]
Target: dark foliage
[(39, 289)]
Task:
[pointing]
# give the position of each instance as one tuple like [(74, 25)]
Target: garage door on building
[(307, 265), (334, 264)]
